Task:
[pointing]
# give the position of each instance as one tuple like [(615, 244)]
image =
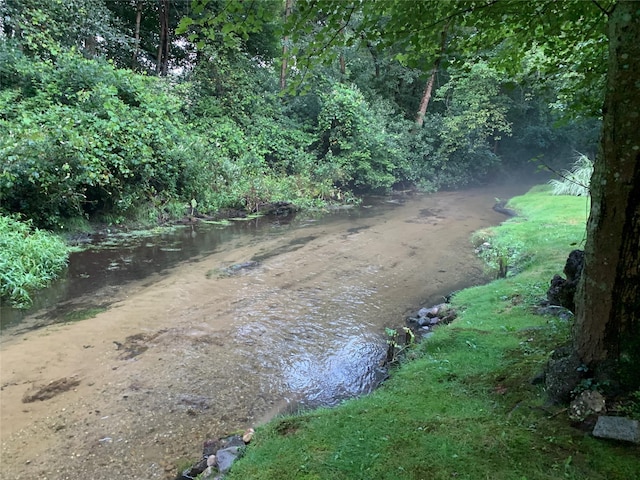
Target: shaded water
[(210, 331), (110, 261)]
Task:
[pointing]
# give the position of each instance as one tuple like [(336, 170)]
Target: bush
[(29, 260), (353, 143), (81, 138)]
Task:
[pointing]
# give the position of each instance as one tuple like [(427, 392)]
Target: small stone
[(207, 472), (211, 460), (433, 311), (617, 428), (589, 402), (248, 435)]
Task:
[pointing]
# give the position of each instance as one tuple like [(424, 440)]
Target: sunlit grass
[(464, 407), (29, 259)]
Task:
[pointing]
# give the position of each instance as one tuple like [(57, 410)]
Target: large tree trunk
[(608, 299)]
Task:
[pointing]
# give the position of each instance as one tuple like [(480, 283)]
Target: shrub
[(353, 142)]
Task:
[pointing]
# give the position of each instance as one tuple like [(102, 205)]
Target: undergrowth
[(29, 259), (465, 406)]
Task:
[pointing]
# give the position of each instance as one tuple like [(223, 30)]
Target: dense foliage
[(84, 137), (29, 259)]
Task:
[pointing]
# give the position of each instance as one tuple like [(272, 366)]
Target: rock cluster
[(427, 318), (217, 457), (589, 408)]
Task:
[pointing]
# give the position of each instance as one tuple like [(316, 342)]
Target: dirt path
[(196, 353)]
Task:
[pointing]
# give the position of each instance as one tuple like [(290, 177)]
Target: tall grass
[(29, 259), (576, 181)]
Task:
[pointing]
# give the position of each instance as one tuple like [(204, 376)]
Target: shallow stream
[(208, 330)]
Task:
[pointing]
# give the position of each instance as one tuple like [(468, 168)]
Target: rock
[(248, 435), (211, 460), (589, 402), (500, 208), (555, 311), (617, 428), (210, 447), (574, 265), (428, 317), (226, 457), (563, 374), (562, 292)]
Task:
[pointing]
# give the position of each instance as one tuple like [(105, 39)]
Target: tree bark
[(608, 297), (90, 46), (134, 59), (374, 56), (283, 69), (426, 95), (162, 65)]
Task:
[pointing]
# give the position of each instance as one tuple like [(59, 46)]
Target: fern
[(574, 182)]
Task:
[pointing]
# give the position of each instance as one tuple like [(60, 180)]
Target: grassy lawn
[(462, 406)]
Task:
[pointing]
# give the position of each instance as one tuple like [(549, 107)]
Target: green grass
[(29, 259), (463, 407)]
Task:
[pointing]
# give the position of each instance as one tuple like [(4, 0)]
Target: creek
[(208, 330)]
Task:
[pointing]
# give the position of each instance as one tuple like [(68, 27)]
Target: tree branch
[(601, 8)]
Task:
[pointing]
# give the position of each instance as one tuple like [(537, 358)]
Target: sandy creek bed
[(191, 353)]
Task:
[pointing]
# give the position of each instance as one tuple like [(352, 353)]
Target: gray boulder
[(617, 428), (225, 458)]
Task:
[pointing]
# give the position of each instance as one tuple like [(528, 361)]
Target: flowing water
[(206, 331)]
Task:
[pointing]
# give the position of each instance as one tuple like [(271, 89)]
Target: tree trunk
[(608, 299), (136, 48), (426, 95), (283, 69), (90, 46), (162, 65), (376, 61)]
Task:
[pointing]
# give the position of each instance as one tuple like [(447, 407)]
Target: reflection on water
[(318, 341), (347, 370)]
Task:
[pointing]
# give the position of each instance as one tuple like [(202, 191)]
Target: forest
[(123, 110)]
